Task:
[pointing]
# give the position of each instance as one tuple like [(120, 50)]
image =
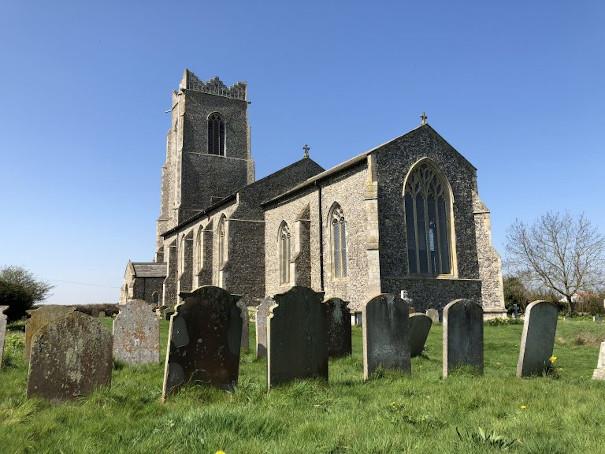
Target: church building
[(405, 215)]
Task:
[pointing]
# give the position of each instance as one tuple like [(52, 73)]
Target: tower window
[(216, 134), (284, 253), (427, 217)]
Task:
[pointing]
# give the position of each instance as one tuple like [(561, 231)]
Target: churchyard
[(390, 412)]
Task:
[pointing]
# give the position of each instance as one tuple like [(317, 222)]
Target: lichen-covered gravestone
[(599, 372), (40, 317), (339, 328), (297, 344), (136, 334), (262, 313), (70, 357), (538, 338), (433, 314), (462, 336), (2, 330), (386, 334), (420, 325), (204, 340)]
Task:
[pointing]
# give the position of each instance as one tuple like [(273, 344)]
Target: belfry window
[(216, 134), (284, 253), (222, 243), (338, 232), (427, 218)]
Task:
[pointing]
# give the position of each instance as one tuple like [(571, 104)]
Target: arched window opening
[(338, 232), (155, 298), (222, 243), (427, 208), (181, 262), (216, 134), (200, 249), (284, 254)]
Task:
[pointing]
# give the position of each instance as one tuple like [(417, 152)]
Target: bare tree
[(558, 252)]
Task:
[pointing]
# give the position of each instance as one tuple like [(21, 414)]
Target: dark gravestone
[(297, 337), (462, 336), (136, 334), (2, 330), (538, 338), (262, 313), (70, 357), (420, 325), (204, 340), (386, 334), (339, 328), (39, 318)]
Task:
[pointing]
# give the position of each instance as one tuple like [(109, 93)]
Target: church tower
[(208, 153)]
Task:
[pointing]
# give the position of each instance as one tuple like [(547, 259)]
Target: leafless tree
[(559, 252)]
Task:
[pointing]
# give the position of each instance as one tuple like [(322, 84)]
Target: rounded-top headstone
[(40, 317), (538, 338), (136, 334), (70, 357), (462, 336), (420, 325), (339, 328)]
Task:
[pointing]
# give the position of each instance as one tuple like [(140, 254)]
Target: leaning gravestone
[(386, 334), (462, 336), (40, 317), (297, 344), (136, 334), (243, 307), (2, 330), (433, 314), (204, 340), (262, 313), (420, 325), (599, 372), (538, 338), (339, 328), (70, 357)]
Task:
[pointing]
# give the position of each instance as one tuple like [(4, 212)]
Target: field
[(421, 413)]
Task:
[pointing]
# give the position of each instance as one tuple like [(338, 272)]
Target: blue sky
[(517, 87)]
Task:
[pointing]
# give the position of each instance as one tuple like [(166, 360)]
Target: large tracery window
[(338, 231), (216, 134), (284, 253), (427, 212)]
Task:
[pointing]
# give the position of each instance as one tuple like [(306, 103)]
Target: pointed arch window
[(181, 261), (338, 243), (222, 243), (200, 249), (427, 216), (284, 253), (216, 134)]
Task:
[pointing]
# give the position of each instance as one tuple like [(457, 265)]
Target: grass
[(421, 413)]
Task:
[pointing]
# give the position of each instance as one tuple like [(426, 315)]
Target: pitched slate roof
[(149, 269)]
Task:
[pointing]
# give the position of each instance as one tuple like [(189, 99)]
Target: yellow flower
[(553, 360), (220, 451), (523, 407)]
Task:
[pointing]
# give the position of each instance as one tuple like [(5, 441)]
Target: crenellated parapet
[(214, 86)]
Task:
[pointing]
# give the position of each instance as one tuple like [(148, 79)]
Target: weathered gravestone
[(70, 357), (420, 325), (538, 338), (339, 328), (136, 334), (40, 317), (243, 307), (386, 334), (297, 344), (262, 314), (462, 336), (433, 314), (2, 330), (599, 372), (204, 340)]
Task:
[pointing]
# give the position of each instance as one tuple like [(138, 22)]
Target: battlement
[(214, 86)]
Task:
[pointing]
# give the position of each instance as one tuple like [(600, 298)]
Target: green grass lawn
[(421, 413)]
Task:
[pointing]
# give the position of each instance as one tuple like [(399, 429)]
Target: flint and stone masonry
[(219, 226)]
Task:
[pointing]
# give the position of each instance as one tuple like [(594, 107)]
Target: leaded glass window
[(216, 134), (427, 208), (338, 232), (284, 253)]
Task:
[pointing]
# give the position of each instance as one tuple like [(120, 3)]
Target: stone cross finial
[(405, 297), (423, 118), (306, 149)]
